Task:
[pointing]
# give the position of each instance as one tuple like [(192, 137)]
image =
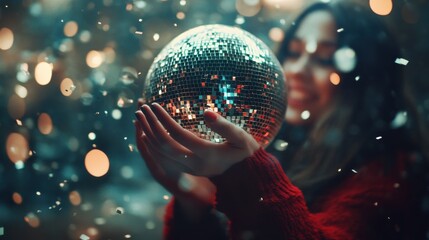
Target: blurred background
[(71, 72)]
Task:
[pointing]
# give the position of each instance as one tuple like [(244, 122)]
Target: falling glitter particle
[(401, 61), (354, 171), (1, 231), (119, 210), (84, 237), (127, 236), (379, 137), (156, 37), (305, 115)]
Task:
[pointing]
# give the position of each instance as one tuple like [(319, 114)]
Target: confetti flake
[(1, 231), (84, 237), (401, 61), (119, 210)]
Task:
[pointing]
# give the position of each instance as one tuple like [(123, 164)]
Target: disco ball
[(221, 68)]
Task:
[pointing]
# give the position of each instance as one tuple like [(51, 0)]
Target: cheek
[(325, 88)]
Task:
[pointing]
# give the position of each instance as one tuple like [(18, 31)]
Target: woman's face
[(309, 70)]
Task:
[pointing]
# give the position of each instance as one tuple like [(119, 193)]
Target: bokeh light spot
[(17, 198), (92, 136), (70, 28), (21, 91), (334, 78), (381, 7), (44, 124), (75, 198), (97, 163), (94, 59), (247, 8), (43, 73), (67, 87), (345, 59), (276, 34), (6, 38), (32, 220), (17, 147)]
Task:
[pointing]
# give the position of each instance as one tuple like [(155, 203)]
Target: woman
[(347, 170)]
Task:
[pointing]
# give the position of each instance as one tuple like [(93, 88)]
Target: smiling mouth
[(299, 99)]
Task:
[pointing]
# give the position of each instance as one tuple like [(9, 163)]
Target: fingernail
[(210, 116)]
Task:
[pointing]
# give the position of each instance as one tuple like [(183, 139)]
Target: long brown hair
[(368, 100)]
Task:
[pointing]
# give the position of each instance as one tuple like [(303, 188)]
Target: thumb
[(233, 134)]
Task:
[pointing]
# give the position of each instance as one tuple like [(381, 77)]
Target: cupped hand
[(188, 189), (164, 140)]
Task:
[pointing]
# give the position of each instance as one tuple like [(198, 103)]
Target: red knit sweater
[(261, 203)]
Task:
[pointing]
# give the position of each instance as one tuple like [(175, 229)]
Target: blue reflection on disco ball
[(221, 68)]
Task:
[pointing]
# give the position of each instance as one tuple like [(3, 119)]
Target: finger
[(161, 135), (153, 167), (145, 125), (177, 132), (170, 150), (232, 133)]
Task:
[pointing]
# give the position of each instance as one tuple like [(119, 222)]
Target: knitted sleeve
[(211, 226), (262, 203)]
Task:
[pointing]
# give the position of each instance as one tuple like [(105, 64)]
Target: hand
[(192, 192), (164, 140)]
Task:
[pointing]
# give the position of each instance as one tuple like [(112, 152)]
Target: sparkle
[(379, 137), (354, 171)]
